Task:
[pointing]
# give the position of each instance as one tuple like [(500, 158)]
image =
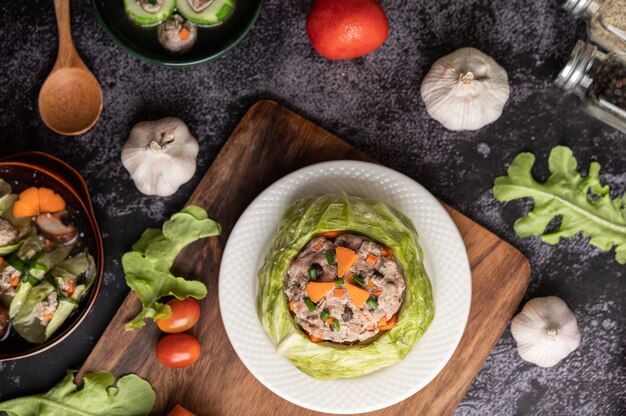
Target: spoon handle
[(67, 55)]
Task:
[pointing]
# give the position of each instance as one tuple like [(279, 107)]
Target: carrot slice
[(49, 201), (332, 234), (48, 315), (387, 253), (292, 305), (318, 246), (371, 259), (30, 197), (317, 290), (20, 209), (1, 261), (377, 292), (345, 259), (371, 284), (315, 339), (357, 295), (329, 321), (338, 292), (388, 324), (178, 410), (184, 34), (71, 287), (15, 281)]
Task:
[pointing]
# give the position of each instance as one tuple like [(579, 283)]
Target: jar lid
[(574, 77)]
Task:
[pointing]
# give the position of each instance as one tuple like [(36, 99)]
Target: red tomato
[(178, 350), (178, 410), (185, 314), (343, 29)]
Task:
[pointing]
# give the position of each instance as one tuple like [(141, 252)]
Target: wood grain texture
[(269, 143)]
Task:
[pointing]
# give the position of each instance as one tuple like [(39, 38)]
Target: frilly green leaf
[(131, 396), (583, 204), (147, 267)]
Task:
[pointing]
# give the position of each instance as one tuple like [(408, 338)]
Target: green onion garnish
[(39, 266), (325, 314), (309, 304), (312, 273), (336, 324), (339, 282), (358, 280), (372, 303), (330, 258)]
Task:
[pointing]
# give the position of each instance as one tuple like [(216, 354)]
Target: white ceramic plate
[(445, 259)]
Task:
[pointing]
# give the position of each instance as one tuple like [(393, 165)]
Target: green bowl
[(142, 42)]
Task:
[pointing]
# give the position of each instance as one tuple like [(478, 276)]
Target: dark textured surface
[(373, 103)]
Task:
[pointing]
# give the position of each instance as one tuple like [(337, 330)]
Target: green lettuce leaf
[(147, 267), (303, 220), (583, 204), (132, 396)]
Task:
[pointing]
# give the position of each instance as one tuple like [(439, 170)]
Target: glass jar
[(606, 21), (599, 80)]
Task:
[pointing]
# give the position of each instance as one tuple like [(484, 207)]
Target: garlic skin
[(160, 156), (465, 90), (545, 331)]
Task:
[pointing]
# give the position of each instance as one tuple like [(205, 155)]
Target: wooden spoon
[(70, 100)]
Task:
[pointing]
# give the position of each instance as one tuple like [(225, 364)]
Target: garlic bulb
[(465, 90), (545, 331), (160, 156)]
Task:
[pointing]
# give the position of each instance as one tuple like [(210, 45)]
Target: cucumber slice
[(144, 18), (217, 12)]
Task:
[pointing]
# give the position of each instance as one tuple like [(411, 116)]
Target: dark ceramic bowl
[(40, 169), (142, 42)]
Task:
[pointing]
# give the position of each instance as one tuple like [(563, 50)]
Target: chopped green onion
[(358, 280), (16, 263), (339, 282), (312, 273), (336, 324), (372, 303), (330, 258), (309, 304), (39, 266), (325, 314)]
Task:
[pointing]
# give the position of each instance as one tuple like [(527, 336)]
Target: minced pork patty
[(356, 324)]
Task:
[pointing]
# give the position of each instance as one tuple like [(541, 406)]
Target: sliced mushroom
[(199, 5), (8, 233), (177, 35), (151, 6), (53, 228)]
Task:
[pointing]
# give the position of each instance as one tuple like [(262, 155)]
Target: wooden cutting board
[(269, 143)]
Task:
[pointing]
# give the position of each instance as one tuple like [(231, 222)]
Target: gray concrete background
[(374, 104)]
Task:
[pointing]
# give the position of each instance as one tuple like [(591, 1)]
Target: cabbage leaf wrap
[(313, 215)]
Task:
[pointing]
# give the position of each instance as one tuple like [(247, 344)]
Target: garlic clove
[(545, 331)]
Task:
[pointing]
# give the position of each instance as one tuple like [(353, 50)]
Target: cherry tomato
[(178, 410), (185, 314), (178, 350)]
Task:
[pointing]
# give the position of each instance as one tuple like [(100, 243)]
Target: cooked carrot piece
[(371, 284), (15, 281), (377, 292), (389, 324), (371, 259), (348, 277), (382, 321), (318, 246), (178, 410), (387, 253), (332, 234), (292, 305), (184, 34), (1, 261), (49, 201), (317, 290), (329, 321), (71, 287), (30, 196), (338, 292), (48, 315), (315, 339), (345, 259), (20, 209), (357, 295)]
